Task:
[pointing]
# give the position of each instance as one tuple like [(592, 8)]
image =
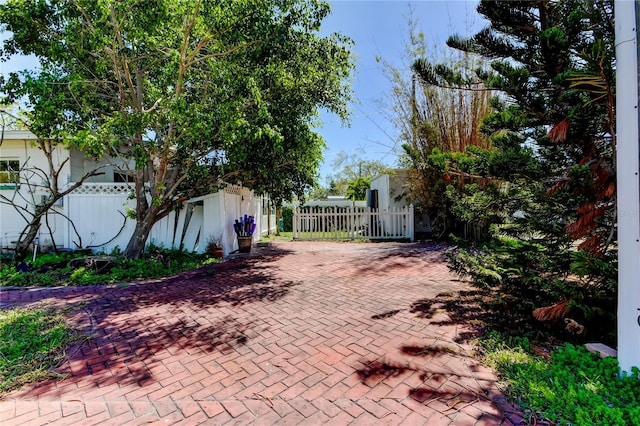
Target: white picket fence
[(348, 223)]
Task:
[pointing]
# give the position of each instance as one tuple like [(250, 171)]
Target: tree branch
[(225, 53)]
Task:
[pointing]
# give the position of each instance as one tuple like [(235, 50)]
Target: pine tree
[(553, 134)]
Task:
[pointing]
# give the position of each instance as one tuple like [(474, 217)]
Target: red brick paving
[(299, 333)]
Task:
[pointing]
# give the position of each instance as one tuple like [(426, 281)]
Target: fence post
[(410, 223), (396, 221), (295, 222), (351, 234)]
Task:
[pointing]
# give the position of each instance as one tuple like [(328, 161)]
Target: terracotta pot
[(216, 253)]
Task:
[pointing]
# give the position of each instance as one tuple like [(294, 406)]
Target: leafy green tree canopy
[(357, 189), (189, 93), (352, 171)]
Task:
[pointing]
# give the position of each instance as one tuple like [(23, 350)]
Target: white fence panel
[(98, 222), (353, 222), (193, 238), (97, 214), (162, 232), (181, 228)]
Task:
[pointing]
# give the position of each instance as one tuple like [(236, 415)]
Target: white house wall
[(98, 208), (398, 192), (105, 167), (392, 189), (18, 145), (381, 183)]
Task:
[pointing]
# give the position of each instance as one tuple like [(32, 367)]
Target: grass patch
[(54, 269), (330, 236), (283, 236), (573, 387), (32, 341)]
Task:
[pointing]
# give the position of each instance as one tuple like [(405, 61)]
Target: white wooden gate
[(348, 223)]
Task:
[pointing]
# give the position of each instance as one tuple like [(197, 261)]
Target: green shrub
[(53, 270), (521, 276), (574, 387), (287, 219)]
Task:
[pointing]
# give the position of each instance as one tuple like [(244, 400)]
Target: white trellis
[(330, 223), (90, 188)]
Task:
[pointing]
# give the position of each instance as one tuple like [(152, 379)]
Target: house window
[(122, 177), (9, 173)]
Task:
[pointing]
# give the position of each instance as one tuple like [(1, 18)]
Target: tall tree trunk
[(145, 217), (278, 216), (136, 244), (30, 233)]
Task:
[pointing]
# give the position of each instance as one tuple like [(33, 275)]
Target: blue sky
[(379, 28)]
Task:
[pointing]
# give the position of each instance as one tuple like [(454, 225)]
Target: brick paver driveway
[(299, 333)]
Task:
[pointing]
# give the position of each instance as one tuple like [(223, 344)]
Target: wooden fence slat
[(352, 222)]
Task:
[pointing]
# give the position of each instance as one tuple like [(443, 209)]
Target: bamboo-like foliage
[(454, 114), (436, 116), (448, 120)]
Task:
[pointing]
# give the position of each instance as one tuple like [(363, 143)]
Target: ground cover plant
[(573, 387), (533, 297), (56, 270), (32, 341)]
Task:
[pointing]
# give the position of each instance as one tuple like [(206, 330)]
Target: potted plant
[(214, 246), (244, 229)]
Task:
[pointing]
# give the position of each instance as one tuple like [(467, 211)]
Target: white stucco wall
[(393, 192), (19, 145), (392, 189), (381, 183)]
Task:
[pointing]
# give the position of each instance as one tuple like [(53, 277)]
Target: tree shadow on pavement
[(389, 258), (131, 329), (443, 374), (375, 371), (455, 308), (448, 390)]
